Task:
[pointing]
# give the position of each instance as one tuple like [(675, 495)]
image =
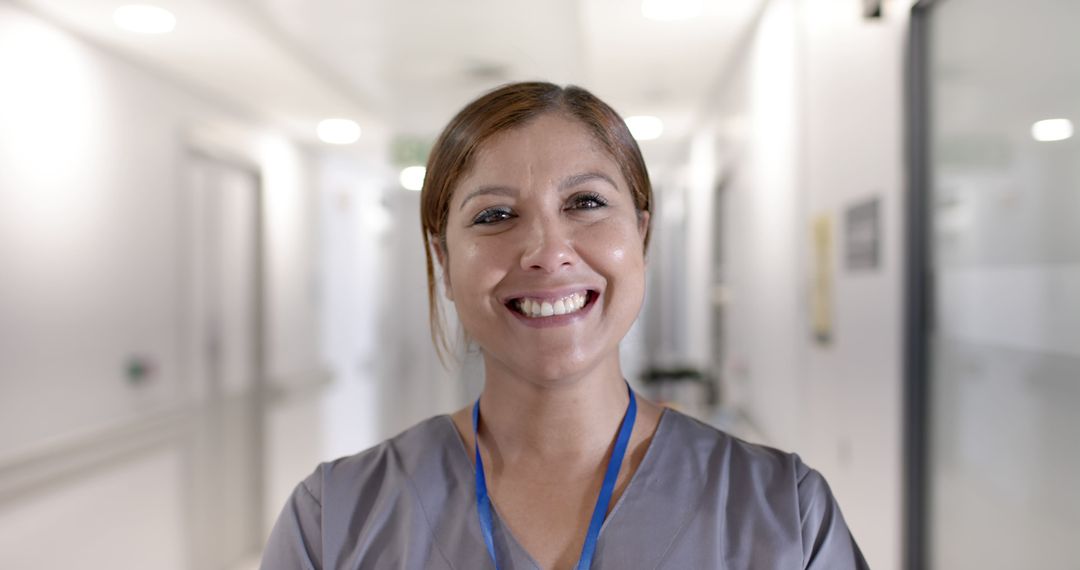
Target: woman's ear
[(643, 224), (440, 255)]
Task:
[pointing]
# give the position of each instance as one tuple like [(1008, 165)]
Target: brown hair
[(505, 108)]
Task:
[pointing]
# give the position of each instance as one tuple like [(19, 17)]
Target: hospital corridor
[(864, 250)]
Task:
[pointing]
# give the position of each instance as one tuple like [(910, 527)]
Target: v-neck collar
[(641, 526)]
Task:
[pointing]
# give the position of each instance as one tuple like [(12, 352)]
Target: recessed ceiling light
[(338, 131), (645, 127), (144, 19), (1051, 130), (412, 177), (670, 10)]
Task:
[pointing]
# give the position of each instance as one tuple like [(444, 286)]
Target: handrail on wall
[(61, 459), (55, 460)]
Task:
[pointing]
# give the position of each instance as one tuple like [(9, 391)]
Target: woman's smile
[(538, 307), (552, 309)]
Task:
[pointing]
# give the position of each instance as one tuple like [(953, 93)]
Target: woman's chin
[(553, 370)]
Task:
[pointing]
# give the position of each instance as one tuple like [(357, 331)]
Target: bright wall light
[(338, 131), (670, 10), (412, 177), (144, 19), (1052, 130), (645, 127)]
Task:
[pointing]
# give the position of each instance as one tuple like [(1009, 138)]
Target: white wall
[(701, 178), (92, 243), (89, 152), (853, 150), (355, 223), (808, 122), (290, 215), (766, 325), (91, 158), (413, 383)]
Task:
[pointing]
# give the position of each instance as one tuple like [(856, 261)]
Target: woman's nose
[(548, 246)]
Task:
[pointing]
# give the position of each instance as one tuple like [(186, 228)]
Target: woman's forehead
[(552, 147), (548, 126)]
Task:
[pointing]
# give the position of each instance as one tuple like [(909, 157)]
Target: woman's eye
[(492, 215), (587, 202)]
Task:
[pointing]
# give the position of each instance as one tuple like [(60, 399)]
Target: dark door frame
[(918, 313)]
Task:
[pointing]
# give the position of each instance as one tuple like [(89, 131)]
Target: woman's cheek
[(468, 254), (618, 254), (482, 266), (620, 243)]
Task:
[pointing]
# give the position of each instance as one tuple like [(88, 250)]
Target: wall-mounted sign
[(862, 235)]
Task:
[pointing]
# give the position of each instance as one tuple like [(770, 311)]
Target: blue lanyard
[(483, 501)]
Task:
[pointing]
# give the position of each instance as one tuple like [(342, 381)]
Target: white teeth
[(534, 308)]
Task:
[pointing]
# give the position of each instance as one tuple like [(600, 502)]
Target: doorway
[(224, 360), (994, 333)]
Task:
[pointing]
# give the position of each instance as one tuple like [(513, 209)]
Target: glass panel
[(1005, 333)]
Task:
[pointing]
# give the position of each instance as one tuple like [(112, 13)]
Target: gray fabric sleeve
[(296, 540), (827, 542)]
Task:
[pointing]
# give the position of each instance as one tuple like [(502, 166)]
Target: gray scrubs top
[(699, 499)]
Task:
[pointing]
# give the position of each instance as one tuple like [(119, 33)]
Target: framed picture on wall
[(862, 235)]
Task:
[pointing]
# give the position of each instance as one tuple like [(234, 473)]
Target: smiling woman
[(536, 207)]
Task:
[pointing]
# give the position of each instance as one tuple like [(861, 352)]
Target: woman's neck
[(564, 421)]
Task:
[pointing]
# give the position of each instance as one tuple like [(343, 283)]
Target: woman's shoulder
[(336, 512), (408, 457), (719, 453), (759, 501)]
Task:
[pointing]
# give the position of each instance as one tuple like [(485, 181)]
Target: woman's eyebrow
[(501, 190), (568, 182), (584, 177)]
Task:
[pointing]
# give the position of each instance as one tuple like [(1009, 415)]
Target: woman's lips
[(551, 311)]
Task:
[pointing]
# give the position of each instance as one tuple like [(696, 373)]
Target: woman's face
[(544, 251)]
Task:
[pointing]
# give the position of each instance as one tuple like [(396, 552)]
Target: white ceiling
[(404, 67)]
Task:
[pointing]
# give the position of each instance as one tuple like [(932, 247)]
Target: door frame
[(918, 282)]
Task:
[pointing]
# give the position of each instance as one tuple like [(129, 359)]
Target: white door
[(223, 347)]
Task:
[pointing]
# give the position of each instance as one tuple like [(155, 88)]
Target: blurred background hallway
[(866, 250)]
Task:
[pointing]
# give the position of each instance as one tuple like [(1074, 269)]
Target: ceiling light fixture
[(1051, 130), (338, 131), (645, 127), (670, 10), (412, 177), (144, 19)]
